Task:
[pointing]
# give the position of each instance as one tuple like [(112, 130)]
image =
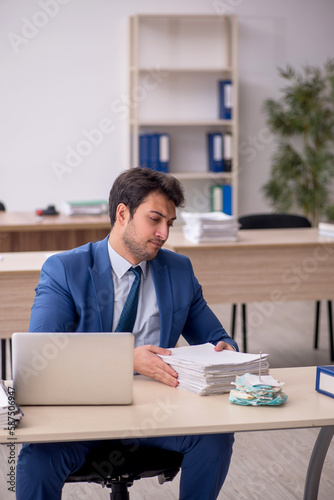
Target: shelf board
[(200, 17), (147, 69), (184, 123), (201, 175)]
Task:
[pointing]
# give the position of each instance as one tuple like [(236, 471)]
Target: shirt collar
[(121, 265)]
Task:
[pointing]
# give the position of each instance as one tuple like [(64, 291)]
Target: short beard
[(136, 249)]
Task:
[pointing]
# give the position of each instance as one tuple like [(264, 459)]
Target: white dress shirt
[(147, 325)]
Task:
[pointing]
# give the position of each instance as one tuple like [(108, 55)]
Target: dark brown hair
[(134, 185)]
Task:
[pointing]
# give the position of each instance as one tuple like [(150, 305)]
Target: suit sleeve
[(53, 309), (202, 325)]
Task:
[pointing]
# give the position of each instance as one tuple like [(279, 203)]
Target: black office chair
[(119, 465), (280, 221), (2, 207)]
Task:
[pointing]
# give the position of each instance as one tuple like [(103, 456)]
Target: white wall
[(63, 77)]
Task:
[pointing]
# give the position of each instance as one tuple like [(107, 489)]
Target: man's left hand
[(221, 346)]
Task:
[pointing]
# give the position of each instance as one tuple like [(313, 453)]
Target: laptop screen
[(73, 368)]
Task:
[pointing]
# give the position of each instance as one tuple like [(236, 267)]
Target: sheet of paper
[(205, 354)]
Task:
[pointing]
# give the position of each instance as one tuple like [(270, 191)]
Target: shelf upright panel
[(185, 103), (134, 85), (235, 118)]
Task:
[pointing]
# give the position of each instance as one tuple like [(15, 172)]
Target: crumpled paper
[(252, 390)]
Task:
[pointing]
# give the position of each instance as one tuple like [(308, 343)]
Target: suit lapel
[(101, 276), (103, 286), (163, 290)]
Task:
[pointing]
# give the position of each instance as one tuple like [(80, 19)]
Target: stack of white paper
[(209, 227), (10, 413), (205, 371)]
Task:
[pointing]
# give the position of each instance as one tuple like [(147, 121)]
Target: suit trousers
[(42, 468)]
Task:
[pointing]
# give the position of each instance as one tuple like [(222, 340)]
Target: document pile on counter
[(91, 207), (10, 413), (209, 227), (326, 229), (257, 390), (205, 371)]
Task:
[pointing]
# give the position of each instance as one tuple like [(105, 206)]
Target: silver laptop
[(73, 368)]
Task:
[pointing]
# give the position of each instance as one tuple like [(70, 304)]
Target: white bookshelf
[(176, 62)]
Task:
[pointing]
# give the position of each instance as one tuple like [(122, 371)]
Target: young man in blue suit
[(85, 289)]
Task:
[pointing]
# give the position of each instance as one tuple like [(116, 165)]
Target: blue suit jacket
[(75, 293)]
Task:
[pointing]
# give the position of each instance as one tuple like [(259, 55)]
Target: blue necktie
[(129, 313)]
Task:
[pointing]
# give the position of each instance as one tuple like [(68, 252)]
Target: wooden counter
[(25, 232)]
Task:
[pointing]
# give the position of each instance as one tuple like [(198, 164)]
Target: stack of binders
[(209, 227), (154, 151), (221, 198), (205, 371), (219, 152), (225, 99), (325, 380)]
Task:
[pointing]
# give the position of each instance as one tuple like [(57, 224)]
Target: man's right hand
[(146, 362)]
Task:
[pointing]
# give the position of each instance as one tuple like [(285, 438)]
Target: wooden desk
[(262, 265), (159, 410), (24, 232)]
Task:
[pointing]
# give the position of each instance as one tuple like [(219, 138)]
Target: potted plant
[(302, 167)]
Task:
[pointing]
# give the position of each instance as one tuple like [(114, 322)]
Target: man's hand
[(146, 362), (221, 346)]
